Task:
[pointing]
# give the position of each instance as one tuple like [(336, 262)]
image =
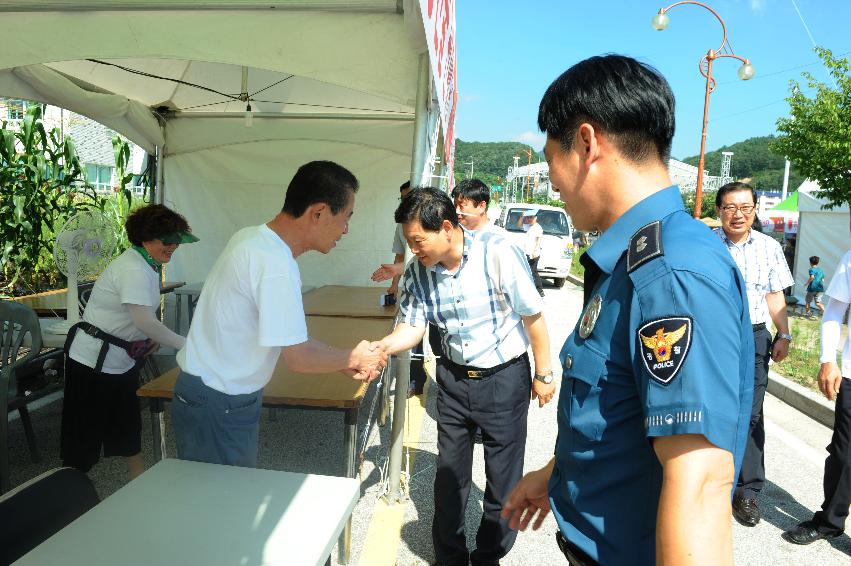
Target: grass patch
[(577, 268), (802, 364)]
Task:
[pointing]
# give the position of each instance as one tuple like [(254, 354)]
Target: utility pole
[(470, 163)]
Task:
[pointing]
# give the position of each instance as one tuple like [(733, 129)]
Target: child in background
[(815, 287)]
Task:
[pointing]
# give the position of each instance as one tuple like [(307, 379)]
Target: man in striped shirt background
[(478, 291), (764, 269)]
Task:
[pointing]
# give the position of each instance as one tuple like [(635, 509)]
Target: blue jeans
[(211, 426)]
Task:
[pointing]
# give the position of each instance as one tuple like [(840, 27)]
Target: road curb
[(808, 402), (797, 396)]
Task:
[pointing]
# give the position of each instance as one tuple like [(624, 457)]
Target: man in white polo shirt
[(250, 314)]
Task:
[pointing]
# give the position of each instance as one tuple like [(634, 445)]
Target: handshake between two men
[(366, 361)]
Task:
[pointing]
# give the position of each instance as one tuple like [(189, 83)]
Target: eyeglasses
[(730, 209)]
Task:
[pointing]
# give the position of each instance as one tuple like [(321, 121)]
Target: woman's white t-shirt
[(127, 280)]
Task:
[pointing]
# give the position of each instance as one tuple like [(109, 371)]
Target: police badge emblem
[(589, 316), (664, 343)]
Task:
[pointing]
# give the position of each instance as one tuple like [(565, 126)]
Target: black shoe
[(807, 533), (746, 511)]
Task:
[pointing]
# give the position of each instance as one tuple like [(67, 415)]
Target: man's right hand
[(829, 380), (368, 356), (387, 271), (528, 498)]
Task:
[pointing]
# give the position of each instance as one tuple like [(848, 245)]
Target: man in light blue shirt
[(478, 291)]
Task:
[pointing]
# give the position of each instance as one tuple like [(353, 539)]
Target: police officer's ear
[(588, 143)]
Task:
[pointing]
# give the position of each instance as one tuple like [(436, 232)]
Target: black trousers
[(498, 404), (752, 476), (533, 265), (837, 467)]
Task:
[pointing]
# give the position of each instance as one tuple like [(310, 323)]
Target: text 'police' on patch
[(664, 343)]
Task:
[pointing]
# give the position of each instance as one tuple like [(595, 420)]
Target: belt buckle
[(475, 374)]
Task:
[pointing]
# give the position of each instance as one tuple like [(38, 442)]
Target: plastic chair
[(16, 321), (35, 511)]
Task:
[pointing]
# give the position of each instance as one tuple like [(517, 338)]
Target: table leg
[(178, 303), (350, 438), (158, 428)]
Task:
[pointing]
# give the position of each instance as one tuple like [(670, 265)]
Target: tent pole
[(404, 366), (159, 195)]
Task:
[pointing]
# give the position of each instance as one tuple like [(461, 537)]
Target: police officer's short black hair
[(319, 181), (814, 259), (472, 189), (732, 188), (628, 100), (429, 206)]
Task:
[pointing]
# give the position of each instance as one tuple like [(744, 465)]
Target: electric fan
[(83, 249)]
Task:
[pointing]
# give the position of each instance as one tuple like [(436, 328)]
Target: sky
[(510, 51)]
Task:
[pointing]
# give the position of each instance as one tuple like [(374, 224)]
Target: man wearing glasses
[(764, 269)]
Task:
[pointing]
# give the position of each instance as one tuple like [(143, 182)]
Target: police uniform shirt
[(663, 347), (477, 308)]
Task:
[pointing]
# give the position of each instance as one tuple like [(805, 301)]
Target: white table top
[(181, 512)]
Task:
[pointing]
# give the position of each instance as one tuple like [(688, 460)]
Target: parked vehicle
[(556, 244)]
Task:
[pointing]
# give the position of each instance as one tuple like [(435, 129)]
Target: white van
[(557, 243)]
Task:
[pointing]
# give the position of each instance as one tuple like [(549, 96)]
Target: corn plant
[(41, 185)]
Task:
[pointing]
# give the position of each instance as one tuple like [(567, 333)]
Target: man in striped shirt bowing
[(479, 293), (764, 269)]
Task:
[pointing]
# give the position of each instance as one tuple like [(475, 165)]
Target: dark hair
[(405, 185), (153, 221), (628, 100), (731, 188), (814, 260), (429, 206), (319, 181), (472, 189)]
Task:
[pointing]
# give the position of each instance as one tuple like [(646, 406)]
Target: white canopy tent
[(369, 84), (824, 233), (329, 79)]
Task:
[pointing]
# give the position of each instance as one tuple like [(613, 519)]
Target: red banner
[(439, 21)]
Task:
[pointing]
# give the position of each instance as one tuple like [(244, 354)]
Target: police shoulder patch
[(644, 245), (664, 344)]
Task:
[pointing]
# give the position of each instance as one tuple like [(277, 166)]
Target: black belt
[(133, 349), (760, 326), (575, 555), (479, 373)]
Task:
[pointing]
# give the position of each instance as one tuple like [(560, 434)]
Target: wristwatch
[(784, 336), (546, 378)]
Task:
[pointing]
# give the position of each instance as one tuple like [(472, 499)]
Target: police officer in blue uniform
[(658, 373)]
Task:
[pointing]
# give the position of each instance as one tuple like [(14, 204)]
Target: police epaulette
[(644, 245)]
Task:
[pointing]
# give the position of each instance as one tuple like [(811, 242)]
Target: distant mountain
[(754, 163), (490, 159)]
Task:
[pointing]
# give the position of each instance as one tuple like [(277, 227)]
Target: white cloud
[(757, 5), (535, 139), (469, 97)]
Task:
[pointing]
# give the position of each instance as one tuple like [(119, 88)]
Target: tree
[(817, 134)]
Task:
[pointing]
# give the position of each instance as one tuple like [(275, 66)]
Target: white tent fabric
[(335, 79), (824, 233)]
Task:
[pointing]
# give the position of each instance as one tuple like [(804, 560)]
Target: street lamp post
[(746, 72)]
